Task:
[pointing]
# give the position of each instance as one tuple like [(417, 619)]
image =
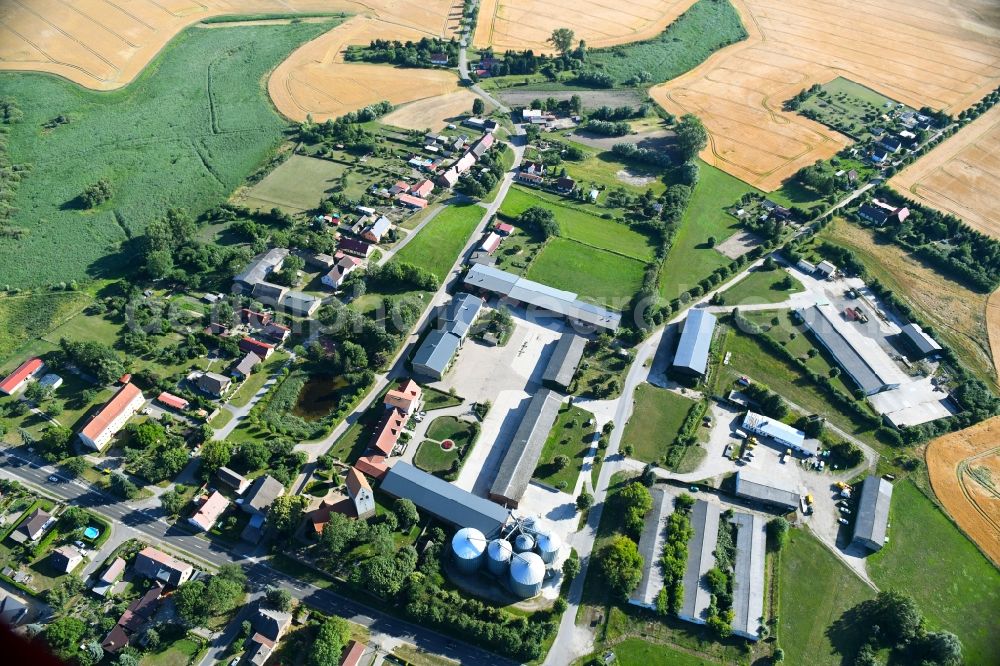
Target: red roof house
[(19, 377), (404, 397), (373, 465), (422, 189), (171, 400), (503, 228), (353, 654), (112, 417), (411, 201), (262, 349), (388, 431)]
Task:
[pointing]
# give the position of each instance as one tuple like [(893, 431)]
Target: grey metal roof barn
[(701, 558), (522, 455), (439, 347), (443, 500), (651, 548), (748, 574), (540, 296), (872, 521), (756, 486), (696, 338), (262, 493), (260, 267), (924, 343), (564, 360)]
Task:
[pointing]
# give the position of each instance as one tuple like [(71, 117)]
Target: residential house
[(262, 493), (536, 168), (254, 530), (112, 417), (12, 611), (465, 163), (565, 185), (234, 480), (353, 654), (345, 266), (873, 214), (268, 627), (255, 320), (474, 123), (245, 366), (213, 383), (439, 59), (480, 147), (405, 397), (155, 564), (355, 247), (377, 230), (891, 143), (388, 431), (528, 178), (16, 380), (504, 229), (209, 511), (32, 527), (373, 465), (137, 615), (65, 558), (172, 401), (400, 186), (411, 201), (449, 178), (360, 493), (422, 189), (276, 332), (217, 329), (261, 349)]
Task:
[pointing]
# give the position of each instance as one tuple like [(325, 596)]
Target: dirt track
[(952, 461)]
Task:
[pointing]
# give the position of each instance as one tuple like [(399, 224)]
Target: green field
[(27, 317), (638, 652), (690, 259), (815, 589), (185, 134), (596, 275), (928, 558), (579, 225), (603, 168), (704, 28), (656, 420), (297, 185), (569, 437), (437, 245), (761, 286)]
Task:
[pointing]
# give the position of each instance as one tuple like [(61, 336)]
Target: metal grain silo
[(498, 555), (468, 546), (527, 571), (523, 543), (548, 545)]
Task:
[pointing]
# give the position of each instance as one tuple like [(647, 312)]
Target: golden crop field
[(961, 176), (527, 24), (431, 113), (936, 53)]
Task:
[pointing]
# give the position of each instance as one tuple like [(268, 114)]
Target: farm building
[(268, 293), (388, 431), (806, 267), (465, 163), (564, 361), (50, 381), (411, 201), (209, 511), (525, 449), (17, 379), (775, 492), (262, 349), (213, 383), (748, 574), (871, 372), (344, 266), (262, 493), (696, 339), (405, 397), (276, 332), (651, 548), (360, 493), (112, 417), (827, 268), (373, 465), (377, 230), (172, 401), (449, 178), (234, 480), (301, 305), (923, 343), (443, 500), (782, 433), (259, 268), (355, 247), (441, 344), (503, 228), (246, 365), (872, 521), (474, 123), (491, 243), (701, 557), (321, 261), (873, 214), (480, 147), (518, 290), (255, 320), (155, 564)]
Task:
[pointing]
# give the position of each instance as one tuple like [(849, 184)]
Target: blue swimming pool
[(91, 532)]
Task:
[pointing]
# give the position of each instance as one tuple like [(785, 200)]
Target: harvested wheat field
[(993, 325), (964, 469), (962, 175), (934, 53), (527, 24), (432, 113)]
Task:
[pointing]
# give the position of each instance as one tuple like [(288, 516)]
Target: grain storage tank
[(498, 555), (527, 571), (468, 546), (523, 543), (548, 545)]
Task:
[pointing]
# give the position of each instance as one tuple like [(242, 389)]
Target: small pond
[(319, 397)]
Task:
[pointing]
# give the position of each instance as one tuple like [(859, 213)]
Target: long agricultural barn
[(872, 522), (870, 368), (755, 486), (564, 361), (701, 557), (525, 449), (443, 500), (748, 574), (535, 295), (651, 548), (696, 339), (781, 433)]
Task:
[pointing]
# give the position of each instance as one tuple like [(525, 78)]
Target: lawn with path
[(432, 457), (570, 437), (655, 423)]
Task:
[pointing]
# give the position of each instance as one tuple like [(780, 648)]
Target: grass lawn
[(435, 399), (221, 419), (256, 380), (596, 275), (179, 653), (25, 318), (761, 286), (690, 260), (449, 427), (927, 557), (417, 657), (297, 185), (814, 590), (569, 437), (430, 457), (437, 245), (655, 422), (577, 223), (639, 652), (603, 171)]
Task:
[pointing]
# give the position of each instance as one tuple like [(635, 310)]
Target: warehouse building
[(923, 343), (696, 339), (537, 296), (701, 557), (437, 350), (443, 500), (525, 449), (748, 574), (651, 548), (564, 361), (759, 488), (782, 433), (871, 372), (872, 522)]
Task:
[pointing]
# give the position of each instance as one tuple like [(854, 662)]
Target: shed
[(872, 522)]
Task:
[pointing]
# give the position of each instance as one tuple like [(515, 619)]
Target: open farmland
[(945, 56), (964, 469), (437, 245), (297, 185), (432, 113), (527, 24), (176, 137), (595, 275), (961, 176)]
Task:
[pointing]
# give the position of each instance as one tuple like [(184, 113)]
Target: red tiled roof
[(411, 200), (372, 465), (171, 400), (504, 227), (423, 188), (388, 431), (111, 411), (353, 653), (262, 349), (210, 510), (356, 482), (25, 370)]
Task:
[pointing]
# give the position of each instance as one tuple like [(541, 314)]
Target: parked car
[(844, 509), (842, 521)]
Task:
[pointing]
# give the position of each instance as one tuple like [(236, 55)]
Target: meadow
[(299, 184), (25, 318), (595, 275), (437, 245), (185, 134), (691, 259), (847, 107), (655, 422), (761, 286)]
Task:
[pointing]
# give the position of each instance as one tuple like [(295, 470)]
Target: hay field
[(962, 175), (934, 52), (433, 113), (526, 24), (964, 469)]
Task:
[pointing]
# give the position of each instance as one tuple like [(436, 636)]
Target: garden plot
[(943, 56), (299, 184)]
